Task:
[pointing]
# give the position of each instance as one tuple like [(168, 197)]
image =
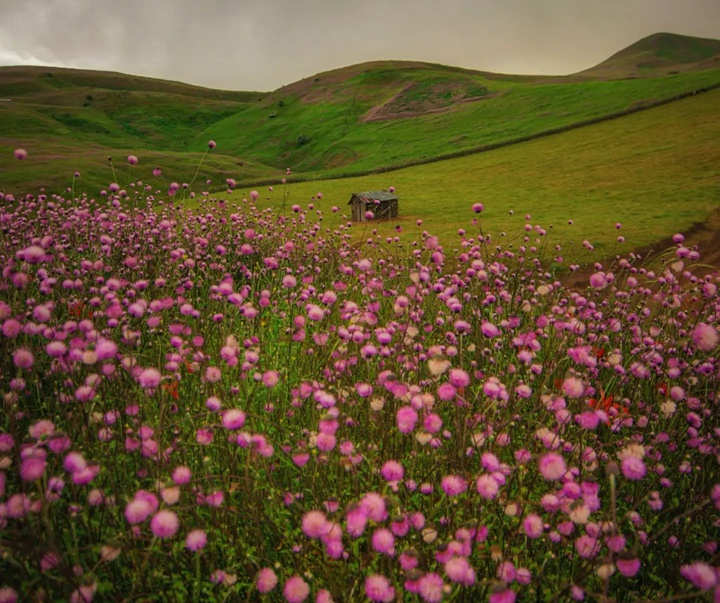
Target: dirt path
[(703, 236)]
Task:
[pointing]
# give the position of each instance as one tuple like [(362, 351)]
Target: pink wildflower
[(392, 471), (453, 485), (296, 590), (633, 467), (705, 337), (164, 524), (314, 524), (573, 387), (378, 589), (702, 575), (431, 588), (196, 540), (533, 525), (487, 486), (552, 466), (233, 418), (149, 378), (266, 580)]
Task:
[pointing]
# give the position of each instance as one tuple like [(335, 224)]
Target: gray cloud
[(263, 44)]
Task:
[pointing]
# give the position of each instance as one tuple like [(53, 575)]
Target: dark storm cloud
[(263, 44)]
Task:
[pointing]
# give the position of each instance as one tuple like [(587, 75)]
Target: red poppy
[(78, 310), (171, 388), (605, 403)]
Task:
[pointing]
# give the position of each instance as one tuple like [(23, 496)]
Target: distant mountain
[(32, 80), (351, 120), (660, 53)]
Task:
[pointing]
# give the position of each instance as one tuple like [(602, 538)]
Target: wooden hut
[(383, 204)]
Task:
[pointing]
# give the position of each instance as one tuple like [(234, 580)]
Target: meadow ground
[(235, 403), (241, 396)]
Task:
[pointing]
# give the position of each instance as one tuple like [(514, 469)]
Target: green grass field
[(342, 122), (657, 172)]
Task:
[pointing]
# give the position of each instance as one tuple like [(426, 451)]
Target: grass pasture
[(242, 396), (656, 172)]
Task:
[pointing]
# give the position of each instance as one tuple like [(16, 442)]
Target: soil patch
[(703, 236)]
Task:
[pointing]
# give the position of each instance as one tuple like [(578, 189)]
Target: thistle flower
[(378, 589), (552, 466), (296, 590), (164, 524), (266, 580), (705, 337)]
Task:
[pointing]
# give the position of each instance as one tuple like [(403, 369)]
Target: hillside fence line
[(640, 106)]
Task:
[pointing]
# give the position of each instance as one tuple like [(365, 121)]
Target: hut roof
[(370, 196)]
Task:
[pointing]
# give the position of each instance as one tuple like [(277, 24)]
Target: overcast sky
[(264, 44)]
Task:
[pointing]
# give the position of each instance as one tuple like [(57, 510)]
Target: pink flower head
[(392, 471), (23, 358), (552, 466), (573, 387), (633, 467), (378, 589), (533, 525), (459, 378), (383, 542), (296, 590), (487, 486), (266, 580), (502, 594), (356, 520), (373, 505), (149, 378), (477, 207), (196, 540), (32, 468), (105, 349), (702, 575), (132, 159), (406, 419), (138, 510), (211, 144), (73, 462), (453, 485), (431, 588), (314, 524), (705, 337), (459, 570), (181, 475), (233, 418), (164, 524), (20, 154), (628, 567)]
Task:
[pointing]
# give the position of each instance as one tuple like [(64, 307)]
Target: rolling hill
[(660, 53), (353, 120)]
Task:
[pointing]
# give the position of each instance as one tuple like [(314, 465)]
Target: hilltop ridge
[(355, 119)]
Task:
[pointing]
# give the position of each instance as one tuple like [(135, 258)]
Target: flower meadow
[(235, 403)]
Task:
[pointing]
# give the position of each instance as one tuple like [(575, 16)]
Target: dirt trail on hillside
[(703, 236)]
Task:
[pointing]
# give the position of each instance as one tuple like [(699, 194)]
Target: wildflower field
[(234, 403)]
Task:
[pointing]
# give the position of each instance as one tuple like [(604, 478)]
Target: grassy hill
[(347, 121), (656, 172), (664, 53)]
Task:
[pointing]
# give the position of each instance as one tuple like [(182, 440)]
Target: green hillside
[(656, 172), (660, 53), (352, 120)]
